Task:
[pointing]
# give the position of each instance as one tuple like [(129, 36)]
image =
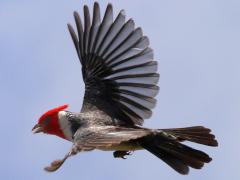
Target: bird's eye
[(47, 120)]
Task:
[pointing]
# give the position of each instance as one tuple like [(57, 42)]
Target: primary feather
[(119, 72)]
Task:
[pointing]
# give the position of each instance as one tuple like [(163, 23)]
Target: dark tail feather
[(197, 134), (174, 162), (180, 157)]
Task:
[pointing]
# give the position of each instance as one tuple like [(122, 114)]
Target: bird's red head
[(48, 122)]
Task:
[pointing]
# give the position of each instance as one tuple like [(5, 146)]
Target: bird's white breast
[(65, 125)]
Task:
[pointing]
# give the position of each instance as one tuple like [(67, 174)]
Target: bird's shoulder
[(92, 118)]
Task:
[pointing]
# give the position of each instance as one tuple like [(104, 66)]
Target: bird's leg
[(121, 154), (55, 165)]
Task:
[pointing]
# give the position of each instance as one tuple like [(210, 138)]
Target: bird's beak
[(37, 128)]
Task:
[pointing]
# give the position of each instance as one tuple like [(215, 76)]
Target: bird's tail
[(165, 144)]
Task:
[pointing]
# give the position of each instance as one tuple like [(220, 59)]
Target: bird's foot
[(55, 165), (121, 154)]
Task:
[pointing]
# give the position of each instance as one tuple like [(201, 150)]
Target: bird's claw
[(121, 154), (55, 165)]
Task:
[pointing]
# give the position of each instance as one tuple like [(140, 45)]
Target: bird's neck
[(65, 125)]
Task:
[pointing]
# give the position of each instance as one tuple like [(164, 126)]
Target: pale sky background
[(197, 44)]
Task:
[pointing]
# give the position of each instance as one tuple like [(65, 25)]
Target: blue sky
[(197, 44)]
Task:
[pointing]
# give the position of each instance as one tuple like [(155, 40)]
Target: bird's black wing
[(117, 66)]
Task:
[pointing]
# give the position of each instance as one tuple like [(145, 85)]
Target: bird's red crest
[(52, 111)]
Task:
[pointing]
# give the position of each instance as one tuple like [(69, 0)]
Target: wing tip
[(110, 6)]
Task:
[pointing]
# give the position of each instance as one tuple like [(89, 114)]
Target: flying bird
[(120, 76)]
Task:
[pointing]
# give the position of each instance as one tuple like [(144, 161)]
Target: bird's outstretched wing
[(107, 137), (117, 66)]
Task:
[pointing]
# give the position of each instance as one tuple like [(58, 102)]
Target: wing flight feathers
[(118, 68)]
